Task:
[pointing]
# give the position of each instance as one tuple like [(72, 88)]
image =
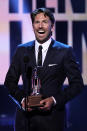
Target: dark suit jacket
[(59, 63)]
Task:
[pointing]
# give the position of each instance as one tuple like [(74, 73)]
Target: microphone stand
[(26, 60)]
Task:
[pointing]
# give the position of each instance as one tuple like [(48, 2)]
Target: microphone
[(26, 59), (28, 69)]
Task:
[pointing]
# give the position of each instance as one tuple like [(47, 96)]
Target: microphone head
[(26, 58)]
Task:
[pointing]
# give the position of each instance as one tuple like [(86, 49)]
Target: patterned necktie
[(40, 56)]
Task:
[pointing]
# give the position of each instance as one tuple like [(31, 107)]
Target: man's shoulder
[(28, 44), (60, 45)]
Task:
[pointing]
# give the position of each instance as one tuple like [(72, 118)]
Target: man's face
[(42, 27)]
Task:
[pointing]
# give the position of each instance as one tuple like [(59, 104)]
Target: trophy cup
[(35, 97)]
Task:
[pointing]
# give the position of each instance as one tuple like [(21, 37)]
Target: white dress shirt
[(45, 47)]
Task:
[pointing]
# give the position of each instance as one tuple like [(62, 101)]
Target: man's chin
[(41, 41)]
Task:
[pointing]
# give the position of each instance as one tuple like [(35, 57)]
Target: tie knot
[(40, 47)]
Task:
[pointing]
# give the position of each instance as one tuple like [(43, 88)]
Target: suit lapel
[(49, 54), (47, 61), (31, 52), (48, 58)]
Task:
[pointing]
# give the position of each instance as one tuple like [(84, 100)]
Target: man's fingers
[(48, 102), (25, 106)]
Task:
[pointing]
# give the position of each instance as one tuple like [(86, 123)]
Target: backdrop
[(16, 28)]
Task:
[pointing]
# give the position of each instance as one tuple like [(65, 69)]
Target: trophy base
[(34, 101)]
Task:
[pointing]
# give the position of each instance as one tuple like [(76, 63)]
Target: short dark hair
[(46, 12)]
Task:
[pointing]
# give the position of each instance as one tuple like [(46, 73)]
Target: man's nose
[(40, 25)]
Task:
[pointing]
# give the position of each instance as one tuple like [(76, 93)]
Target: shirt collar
[(44, 45)]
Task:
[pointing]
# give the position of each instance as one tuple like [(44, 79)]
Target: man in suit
[(58, 62)]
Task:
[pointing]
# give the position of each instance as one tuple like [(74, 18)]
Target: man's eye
[(45, 21), (36, 22)]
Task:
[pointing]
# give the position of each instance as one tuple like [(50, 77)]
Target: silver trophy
[(35, 97)]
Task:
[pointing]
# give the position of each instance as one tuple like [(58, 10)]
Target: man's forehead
[(42, 15)]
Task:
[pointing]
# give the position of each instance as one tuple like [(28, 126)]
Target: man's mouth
[(41, 32)]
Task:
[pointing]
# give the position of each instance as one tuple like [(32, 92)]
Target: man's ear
[(52, 28), (32, 27)]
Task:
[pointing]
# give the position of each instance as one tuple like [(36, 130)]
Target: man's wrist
[(22, 100), (54, 100)]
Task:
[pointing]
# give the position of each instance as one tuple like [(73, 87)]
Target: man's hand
[(25, 105), (48, 102)]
